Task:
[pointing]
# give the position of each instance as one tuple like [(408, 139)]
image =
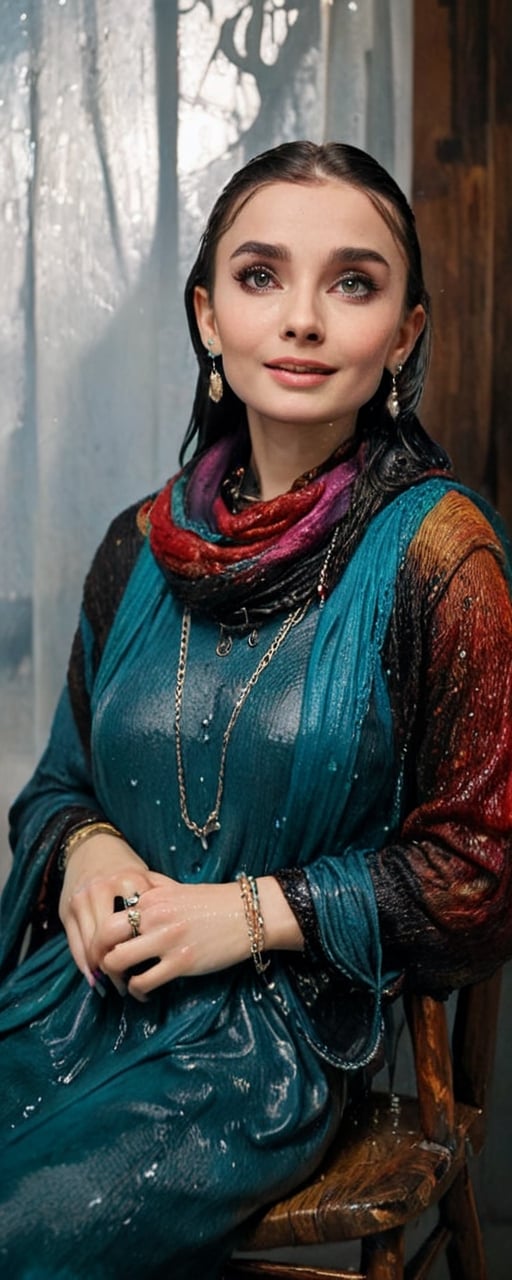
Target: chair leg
[(465, 1252), (382, 1256)]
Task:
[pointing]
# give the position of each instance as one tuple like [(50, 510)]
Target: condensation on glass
[(118, 125)]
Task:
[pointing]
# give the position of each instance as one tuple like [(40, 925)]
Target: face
[(307, 306)]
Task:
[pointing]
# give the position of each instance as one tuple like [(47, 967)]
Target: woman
[(278, 782)]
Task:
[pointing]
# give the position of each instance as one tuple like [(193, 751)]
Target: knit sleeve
[(444, 888), (103, 590)]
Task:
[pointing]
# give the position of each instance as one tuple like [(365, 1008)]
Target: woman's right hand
[(101, 868)]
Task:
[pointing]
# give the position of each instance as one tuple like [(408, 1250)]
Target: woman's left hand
[(185, 929), (190, 929)]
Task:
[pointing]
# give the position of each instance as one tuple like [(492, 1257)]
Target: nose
[(301, 317)]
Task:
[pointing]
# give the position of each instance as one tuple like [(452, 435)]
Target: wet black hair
[(306, 162)]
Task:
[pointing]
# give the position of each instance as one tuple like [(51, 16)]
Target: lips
[(300, 366)]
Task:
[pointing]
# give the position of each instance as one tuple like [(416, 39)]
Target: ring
[(131, 902), (134, 922)]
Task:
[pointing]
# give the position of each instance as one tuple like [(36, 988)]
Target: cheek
[(239, 327), (236, 372), (240, 342), (366, 340)]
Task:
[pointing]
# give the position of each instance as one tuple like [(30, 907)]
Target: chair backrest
[(379, 1174), (460, 1073)]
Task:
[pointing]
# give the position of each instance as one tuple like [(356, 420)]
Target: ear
[(405, 340), (205, 316)]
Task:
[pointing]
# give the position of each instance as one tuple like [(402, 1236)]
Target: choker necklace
[(212, 823)]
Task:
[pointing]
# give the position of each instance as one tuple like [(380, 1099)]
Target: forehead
[(328, 211)]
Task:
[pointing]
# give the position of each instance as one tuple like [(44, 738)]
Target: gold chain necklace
[(212, 822)]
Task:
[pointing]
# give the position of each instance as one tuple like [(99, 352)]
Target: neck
[(280, 452)]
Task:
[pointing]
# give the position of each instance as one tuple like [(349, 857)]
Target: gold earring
[(392, 402), (215, 383)]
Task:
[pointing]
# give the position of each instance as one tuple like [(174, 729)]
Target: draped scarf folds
[(214, 558), (345, 695), (358, 809)]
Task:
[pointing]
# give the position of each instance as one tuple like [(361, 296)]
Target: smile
[(300, 375), (300, 366)]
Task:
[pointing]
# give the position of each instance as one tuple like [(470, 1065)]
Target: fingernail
[(98, 982)]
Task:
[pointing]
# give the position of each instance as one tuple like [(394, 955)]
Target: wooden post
[(462, 162)]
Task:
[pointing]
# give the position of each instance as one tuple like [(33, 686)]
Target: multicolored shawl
[(213, 557)]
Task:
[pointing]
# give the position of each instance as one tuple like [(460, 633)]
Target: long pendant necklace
[(212, 823)]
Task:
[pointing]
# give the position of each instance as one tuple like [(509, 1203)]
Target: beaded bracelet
[(254, 919), (78, 835)]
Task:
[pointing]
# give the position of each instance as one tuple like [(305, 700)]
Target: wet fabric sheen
[(136, 1139)]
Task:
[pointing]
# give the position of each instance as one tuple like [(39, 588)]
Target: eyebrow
[(279, 252), (259, 247), (356, 254)]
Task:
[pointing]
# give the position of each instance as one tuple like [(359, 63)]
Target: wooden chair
[(394, 1159)]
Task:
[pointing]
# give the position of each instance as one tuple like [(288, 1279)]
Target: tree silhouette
[(283, 83)]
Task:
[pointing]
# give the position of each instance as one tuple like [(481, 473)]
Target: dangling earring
[(215, 383), (392, 402)]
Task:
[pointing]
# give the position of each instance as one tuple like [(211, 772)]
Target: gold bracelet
[(76, 838), (253, 919)]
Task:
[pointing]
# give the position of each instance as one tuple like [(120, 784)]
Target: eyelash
[(247, 273), (361, 278), (244, 275)]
